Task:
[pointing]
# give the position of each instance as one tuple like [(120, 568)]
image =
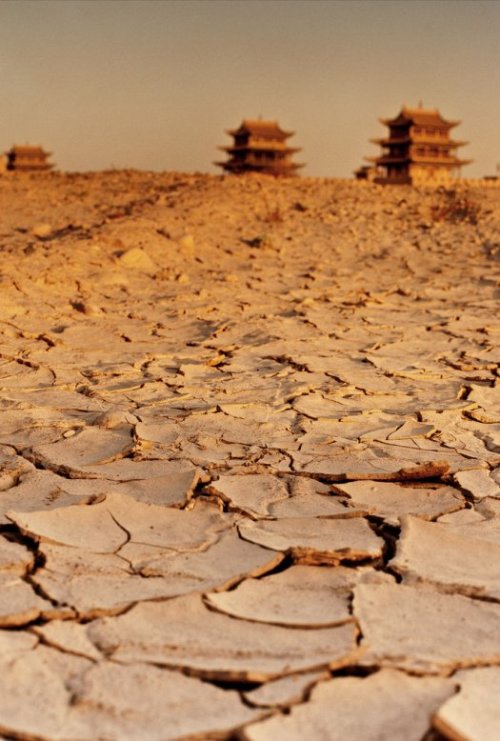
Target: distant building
[(494, 177), (418, 149), (260, 146), (367, 172), (27, 158)]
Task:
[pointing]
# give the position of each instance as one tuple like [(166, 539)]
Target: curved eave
[(432, 162), (245, 164), (441, 145), (409, 120), (260, 148), (382, 161), (436, 161), (244, 130), (419, 140), (395, 122), (386, 142), (19, 148), (448, 144)]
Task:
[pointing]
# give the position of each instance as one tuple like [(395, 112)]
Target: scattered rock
[(136, 259), (42, 230)]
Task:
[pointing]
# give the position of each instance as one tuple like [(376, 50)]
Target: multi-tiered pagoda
[(260, 146), (27, 158), (418, 149)]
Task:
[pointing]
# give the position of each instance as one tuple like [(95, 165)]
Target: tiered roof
[(419, 117), (418, 137), (28, 158), (260, 146), (259, 128)]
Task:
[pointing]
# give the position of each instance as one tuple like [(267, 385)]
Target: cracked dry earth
[(249, 460)]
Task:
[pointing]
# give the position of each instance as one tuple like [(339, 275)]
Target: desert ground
[(249, 459)]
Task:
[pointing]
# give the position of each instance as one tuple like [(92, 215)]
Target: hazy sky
[(153, 84)]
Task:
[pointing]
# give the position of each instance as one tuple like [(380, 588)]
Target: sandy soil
[(249, 459)]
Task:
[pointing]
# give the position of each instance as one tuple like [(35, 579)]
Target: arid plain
[(249, 459)]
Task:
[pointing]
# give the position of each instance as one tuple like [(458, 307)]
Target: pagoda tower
[(418, 149), (260, 146), (28, 158)]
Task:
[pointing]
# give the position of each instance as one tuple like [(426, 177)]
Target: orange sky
[(153, 84)]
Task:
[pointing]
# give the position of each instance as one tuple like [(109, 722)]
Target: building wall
[(430, 175)]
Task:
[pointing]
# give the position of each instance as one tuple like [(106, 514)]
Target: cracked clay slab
[(95, 584), (383, 705), (19, 603), (285, 691), (253, 494), (68, 636), (478, 484), (365, 465), (223, 562), (106, 526), (39, 490), (423, 631), (184, 633), (306, 596), (473, 714), (47, 694), (391, 501), (483, 522), (15, 643), (92, 446), (106, 584), (43, 489), (266, 365), (15, 558), (316, 540), (12, 467), (306, 501), (435, 552), (313, 506)]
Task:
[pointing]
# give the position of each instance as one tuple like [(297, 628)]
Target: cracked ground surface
[(249, 459)]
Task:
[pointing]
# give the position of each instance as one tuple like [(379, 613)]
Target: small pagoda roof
[(419, 117), (29, 149), (260, 128)]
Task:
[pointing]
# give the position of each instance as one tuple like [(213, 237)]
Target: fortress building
[(418, 149), (27, 158), (366, 172), (260, 146)]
